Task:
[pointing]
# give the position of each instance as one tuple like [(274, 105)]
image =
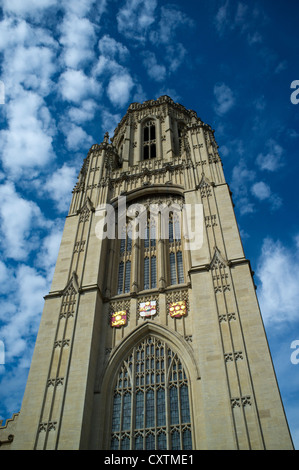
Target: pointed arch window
[(150, 260), (158, 257), (175, 250), (151, 400), (124, 267), (149, 140)]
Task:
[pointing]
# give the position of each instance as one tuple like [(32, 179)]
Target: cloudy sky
[(70, 69)]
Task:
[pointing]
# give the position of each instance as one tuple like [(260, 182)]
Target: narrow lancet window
[(149, 140)]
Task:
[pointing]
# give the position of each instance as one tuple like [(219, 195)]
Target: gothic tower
[(151, 335)]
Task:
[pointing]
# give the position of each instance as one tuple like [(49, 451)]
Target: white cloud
[(281, 66), (76, 137), (254, 38), (155, 71), (171, 19), (261, 190), (109, 121), (83, 113), (80, 8), (119, 89), (241, 178), (175, 56), (106, 66), (135, 18), (48, 251), (21, 221), (22, 323), (238, 17), (60, 185), (33, 68), (26, 7), (273, 159), (75, 86), (27, 142), (78, 39), (113, 49), (221, 18), (278, 272), (225, 99), (17, 32)]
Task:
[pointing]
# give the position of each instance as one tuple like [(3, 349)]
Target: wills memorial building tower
[(150, 341)]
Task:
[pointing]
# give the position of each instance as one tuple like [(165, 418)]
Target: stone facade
[(203, 379)]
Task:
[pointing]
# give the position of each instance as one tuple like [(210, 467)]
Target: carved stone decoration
[(241, 401), (47, 426), (230, 357), (218, 267), (85, 210), (56, 381), (205, 187)]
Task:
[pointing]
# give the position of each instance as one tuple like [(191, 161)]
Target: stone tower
[(147, 340)]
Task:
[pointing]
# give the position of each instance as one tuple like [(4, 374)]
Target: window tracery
[(160, 221), (151, 400), (149, 140)]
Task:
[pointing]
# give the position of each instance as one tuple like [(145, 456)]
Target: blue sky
[(70, 69)]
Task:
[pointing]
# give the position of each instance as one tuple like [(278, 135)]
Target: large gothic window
[(149, 140), (139, 265), (151, 400)]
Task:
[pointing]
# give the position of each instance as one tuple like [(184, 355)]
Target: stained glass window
[(141, 397)]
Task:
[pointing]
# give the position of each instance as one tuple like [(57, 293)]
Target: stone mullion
[(79, 240), (111, 264), (90, 220), (179, 405), (210, 156), (236, 372), (199, 146), (135, 264), (252, 394), (158, 139), (57, 374), (71, 269), (167, 403), (100, 176), (220, 293), (133, 400), (224, 364), (46, 393), (210, 215), (161, 265), (37, 438), (92, 169), (68, 367), (205, 142), (206, 211), (219, 221)]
